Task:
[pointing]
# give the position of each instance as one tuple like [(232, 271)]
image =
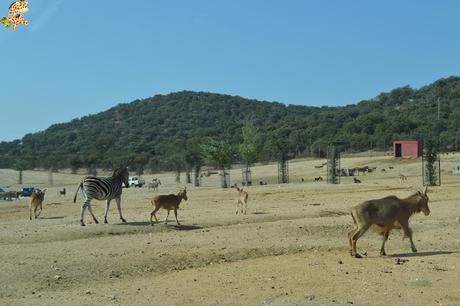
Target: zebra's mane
[(119, 171)]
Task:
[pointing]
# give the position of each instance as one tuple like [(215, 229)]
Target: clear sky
[(80, 57)]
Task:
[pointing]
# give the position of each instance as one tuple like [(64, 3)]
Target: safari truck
[(134, 181)]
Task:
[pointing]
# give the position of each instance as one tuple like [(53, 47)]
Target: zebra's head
[(123, 174)]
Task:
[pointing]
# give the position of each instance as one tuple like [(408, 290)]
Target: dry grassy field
[(290, 249)]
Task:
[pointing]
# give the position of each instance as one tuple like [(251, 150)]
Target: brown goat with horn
[(168, 202), (386, 214)]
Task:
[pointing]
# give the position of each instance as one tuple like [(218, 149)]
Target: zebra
[(103, 188), (154, 184)]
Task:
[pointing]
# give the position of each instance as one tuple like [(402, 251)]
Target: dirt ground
[(290, 249)]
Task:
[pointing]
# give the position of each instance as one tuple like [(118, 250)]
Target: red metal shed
[(407, 148)]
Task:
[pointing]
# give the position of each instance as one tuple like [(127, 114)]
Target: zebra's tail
[(76, 193)]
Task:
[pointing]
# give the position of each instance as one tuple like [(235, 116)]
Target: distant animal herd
[(381, 215), (355, 171)]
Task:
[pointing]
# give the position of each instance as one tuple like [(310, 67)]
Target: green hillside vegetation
[(168, 132)]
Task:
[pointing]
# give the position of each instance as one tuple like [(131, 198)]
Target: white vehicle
[(135, 181)]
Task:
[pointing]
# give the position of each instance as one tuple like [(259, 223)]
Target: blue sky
[(82, 57)]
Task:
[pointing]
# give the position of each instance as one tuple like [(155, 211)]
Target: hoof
[(95, 221), (358, 256), (414, 250), (82, 224), (123, 220), (383, 254)]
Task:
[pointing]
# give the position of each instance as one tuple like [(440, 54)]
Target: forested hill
[(156, 131)]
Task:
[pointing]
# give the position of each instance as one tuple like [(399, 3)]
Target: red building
[(407, 148)]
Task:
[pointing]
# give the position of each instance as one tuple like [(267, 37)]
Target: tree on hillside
[(248, 150), (20, 166), (194, 159), (75, 164), (220, 154), (140, 162), (90, 162), (175, 162), (279, 146), (154, 164), (430, 157), (51, 164)]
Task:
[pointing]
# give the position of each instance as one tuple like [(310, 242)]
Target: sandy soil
[(290, 249)]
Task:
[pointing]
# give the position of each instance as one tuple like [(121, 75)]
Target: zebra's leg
[(107, 204), (82, 212), (92, 214), (30, 211), (118, 200)]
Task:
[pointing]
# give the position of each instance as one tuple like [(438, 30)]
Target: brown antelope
[(386, 214), (36, 201), (242, 200), (168, 202)]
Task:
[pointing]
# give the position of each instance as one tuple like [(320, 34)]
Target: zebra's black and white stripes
[(103, 188)]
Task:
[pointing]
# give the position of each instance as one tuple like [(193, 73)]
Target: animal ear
[(424, 190)]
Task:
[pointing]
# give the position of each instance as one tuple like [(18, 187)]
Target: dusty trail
[(291, 249)]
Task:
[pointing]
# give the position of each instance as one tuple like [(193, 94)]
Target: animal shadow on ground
[(331, 213), (422, 254), (51, 218), (178, 227), (187, 227), (135, 223), (260, 213)]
